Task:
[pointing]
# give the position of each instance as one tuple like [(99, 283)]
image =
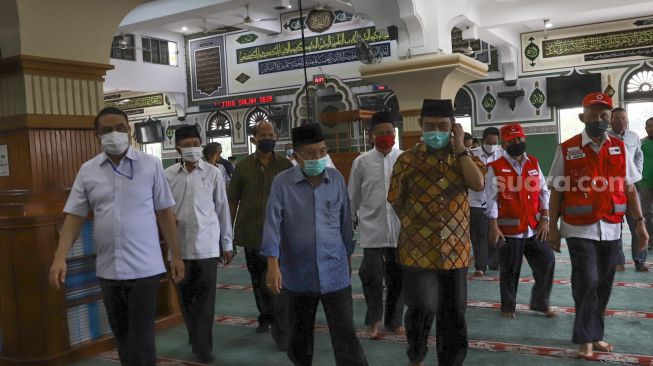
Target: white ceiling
[(508, 17), (197, 15)]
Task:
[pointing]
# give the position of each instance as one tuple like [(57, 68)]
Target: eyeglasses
[(313, 155)]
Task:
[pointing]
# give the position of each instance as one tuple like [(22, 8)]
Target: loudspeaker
[(393, 32)]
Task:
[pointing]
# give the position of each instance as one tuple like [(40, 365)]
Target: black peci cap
[(437, 108), (307, 134), (385, 117)]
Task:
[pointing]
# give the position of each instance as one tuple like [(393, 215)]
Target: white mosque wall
[(144, 76)]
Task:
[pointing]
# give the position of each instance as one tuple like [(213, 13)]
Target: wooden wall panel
[(409, 139), (18, 149), (343, 162), (58, 154), (12, 95), (49, 95), (32, 312)]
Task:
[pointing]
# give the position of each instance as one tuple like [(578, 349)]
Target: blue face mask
[(314, 168), (436, 139)]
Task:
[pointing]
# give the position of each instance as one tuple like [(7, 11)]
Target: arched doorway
[(218, 129), (638, 97)]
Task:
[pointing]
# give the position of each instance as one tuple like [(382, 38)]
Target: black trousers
[(593, 265), (440, 294), (639, 256), (484, 252), (196, 294), (131, 310), (542, 261), (340, 319), (379, 264), (273, 310)]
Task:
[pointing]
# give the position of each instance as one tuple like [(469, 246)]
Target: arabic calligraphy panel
[(608, 42), (313, 44), (207, 67), (318, 59)]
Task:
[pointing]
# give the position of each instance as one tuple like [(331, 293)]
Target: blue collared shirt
[(124, 202), (309, 230)]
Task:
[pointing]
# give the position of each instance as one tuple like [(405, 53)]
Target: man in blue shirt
[(127, 193), (308, 241)]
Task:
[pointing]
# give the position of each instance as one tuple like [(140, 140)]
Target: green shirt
[(647, 172), (249, 190)]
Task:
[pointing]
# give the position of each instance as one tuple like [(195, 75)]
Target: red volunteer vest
[(518, 196), (596, 181)]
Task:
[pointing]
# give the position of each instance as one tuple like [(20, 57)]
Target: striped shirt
[(249, 190)]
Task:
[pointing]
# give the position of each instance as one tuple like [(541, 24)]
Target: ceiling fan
[(206, 28), (249, 20)]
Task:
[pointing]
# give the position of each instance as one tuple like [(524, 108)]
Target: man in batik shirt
[(428, 191)]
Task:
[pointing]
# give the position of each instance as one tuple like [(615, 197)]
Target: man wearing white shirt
[(484, 251), (202, 212), (518, 202), (619, 124), (378, 225), (127, 192), (289, 153), (593, 178)]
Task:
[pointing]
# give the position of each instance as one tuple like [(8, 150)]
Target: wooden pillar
[(52, 67), (51, 78), (47, 132)]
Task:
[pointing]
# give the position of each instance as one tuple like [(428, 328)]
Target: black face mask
[(596, 129), (516, 149), (266, 145)]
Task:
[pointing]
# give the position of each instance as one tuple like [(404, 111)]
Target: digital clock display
[(238, 103)]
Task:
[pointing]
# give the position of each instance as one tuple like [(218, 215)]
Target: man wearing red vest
[(518, 214), (593, 179)]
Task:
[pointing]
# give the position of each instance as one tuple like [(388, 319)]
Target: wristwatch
[(545, 218), (641, 218), (464, 153)]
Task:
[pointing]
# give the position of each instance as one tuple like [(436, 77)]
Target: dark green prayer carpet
[(529, 339)]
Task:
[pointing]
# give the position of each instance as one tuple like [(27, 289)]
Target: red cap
[(511, 131), (597, 98)]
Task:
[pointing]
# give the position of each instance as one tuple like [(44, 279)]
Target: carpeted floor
[(529, 339)]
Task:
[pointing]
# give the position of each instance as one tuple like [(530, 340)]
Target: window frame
[(131, 47), (159, 42)]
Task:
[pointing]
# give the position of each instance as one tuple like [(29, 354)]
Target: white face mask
[(490, 148), (115, 143), (191, 154)]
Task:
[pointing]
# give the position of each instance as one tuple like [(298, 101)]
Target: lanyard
[(131, 165)]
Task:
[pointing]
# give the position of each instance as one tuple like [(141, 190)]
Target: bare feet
[(585, 350), (620, 268), (400, 331), (549, 314), (373, 330), (643, 268), (479, 273), (603, 346), (510, 315)]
